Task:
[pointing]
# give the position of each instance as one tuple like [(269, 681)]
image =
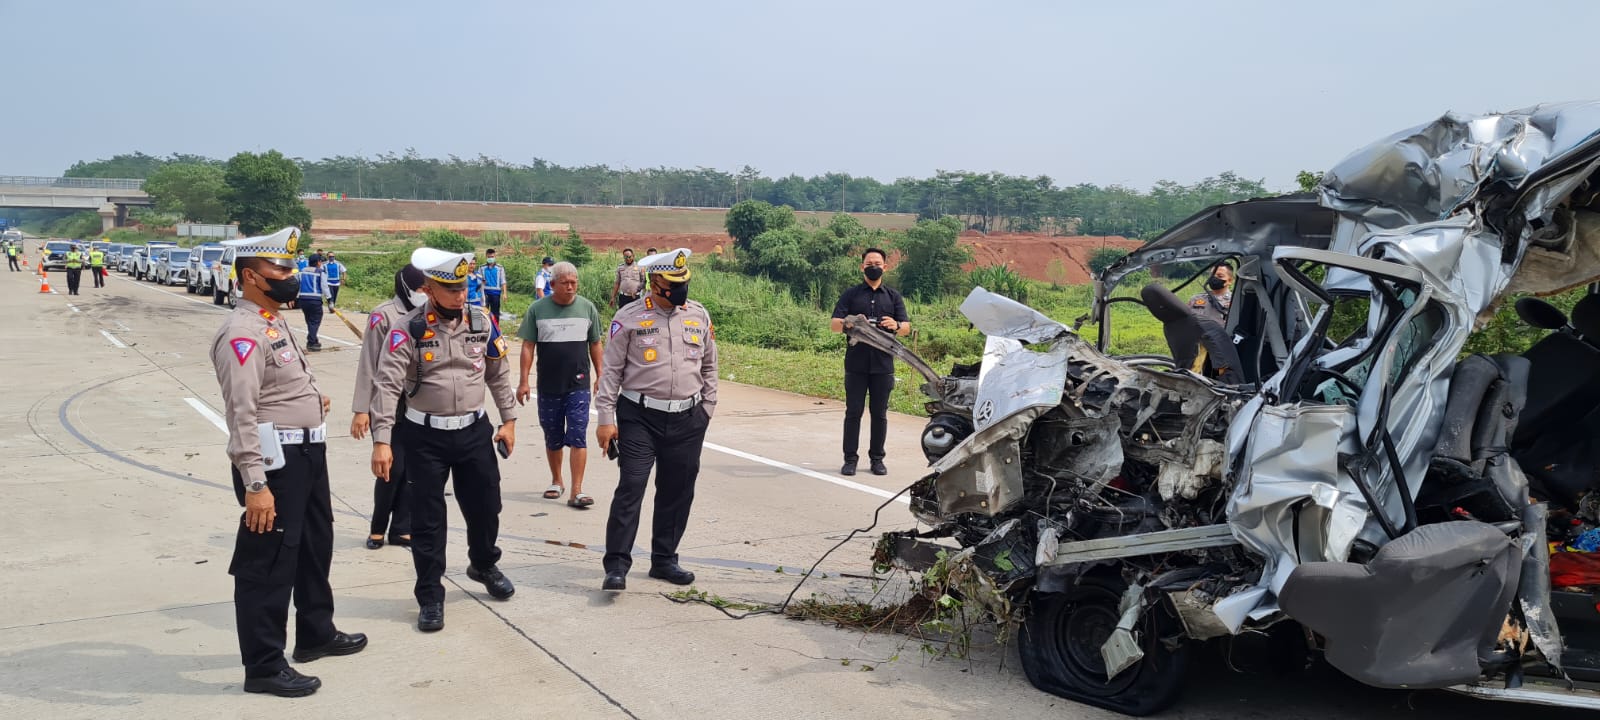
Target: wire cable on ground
[(781, 608)]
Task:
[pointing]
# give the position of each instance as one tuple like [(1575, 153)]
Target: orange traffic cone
[(44, 283), (24, 260)]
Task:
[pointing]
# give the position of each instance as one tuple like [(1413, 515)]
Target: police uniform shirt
[(264, 379), (379, 321), (630, 279), (1215, 304), (874, 304), (454, 364), (660, 353)]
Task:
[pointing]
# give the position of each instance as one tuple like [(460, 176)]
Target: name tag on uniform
[(647, 331)]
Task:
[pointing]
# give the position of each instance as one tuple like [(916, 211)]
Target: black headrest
[(1163, 303), (1540, 314), (1586, 317)]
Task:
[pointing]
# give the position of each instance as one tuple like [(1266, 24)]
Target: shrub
[(447, 240), (1103, 258), (1000, 279)]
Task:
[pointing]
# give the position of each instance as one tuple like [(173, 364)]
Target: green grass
[(764, 336)]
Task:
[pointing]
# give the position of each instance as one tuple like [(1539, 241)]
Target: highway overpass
[(111, 197)]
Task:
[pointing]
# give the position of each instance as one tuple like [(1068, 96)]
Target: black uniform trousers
[(290, 559), (13, 261), (432, 457), (74, 278), (312, 309), (99, 275), (391, 501), (493, 300), (333, 294), (647, 437), (857, 388)]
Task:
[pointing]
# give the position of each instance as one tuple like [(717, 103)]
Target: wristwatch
[(256, 486)]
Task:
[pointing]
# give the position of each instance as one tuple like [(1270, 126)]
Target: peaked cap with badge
[(672, 265), (279, 247), (441, 265)]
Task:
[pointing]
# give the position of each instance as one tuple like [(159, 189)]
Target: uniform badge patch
[(649, 354), (242, 347), (646, 323), (477, 364), (286, 355), (272, 332), (500, 347), (428, 356), (615, 327), (396, 339), (427, 334), (648, 341), (267, 315), (694, 353), (373, 320), (694, 338), (691, 323)]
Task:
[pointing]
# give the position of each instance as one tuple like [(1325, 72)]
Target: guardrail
[(66, 182)]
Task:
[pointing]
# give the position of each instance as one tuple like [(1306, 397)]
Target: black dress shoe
[(672, 574), (431, 617), (615, 581), (341, 644), (849, 468), (374, 543), (498, 585), (287, 683), (878, 468)]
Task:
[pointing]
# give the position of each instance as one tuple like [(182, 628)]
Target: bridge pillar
[(110, 217)]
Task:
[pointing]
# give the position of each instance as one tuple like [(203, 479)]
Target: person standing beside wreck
[(868, 371)]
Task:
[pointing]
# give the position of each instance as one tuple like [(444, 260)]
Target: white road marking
[(208, 413), (74, 307), (841, 482), (113, 339), (224, 308)]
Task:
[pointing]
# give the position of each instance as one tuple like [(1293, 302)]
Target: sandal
[(554, 492), (580, 501)]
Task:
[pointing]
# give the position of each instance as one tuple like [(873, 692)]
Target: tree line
[(986, 201)]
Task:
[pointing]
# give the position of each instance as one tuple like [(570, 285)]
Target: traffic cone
[(44, 283), (24, 260)]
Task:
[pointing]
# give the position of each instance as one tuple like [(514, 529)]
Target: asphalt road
[(119, 528)]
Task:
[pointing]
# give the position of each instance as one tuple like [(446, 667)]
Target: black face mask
[(448, 313), (1216, 283), (285, 290), (627, 261), (676, 293), (873, 272)]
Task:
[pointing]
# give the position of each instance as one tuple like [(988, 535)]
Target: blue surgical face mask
[(490, 261)]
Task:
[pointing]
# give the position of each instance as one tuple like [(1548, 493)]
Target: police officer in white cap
[(275, 415), (441, 356), (658, 389)]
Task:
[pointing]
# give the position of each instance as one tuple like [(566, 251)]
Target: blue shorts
[(564, 419)]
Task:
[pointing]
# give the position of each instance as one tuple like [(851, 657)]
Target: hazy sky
[(1102, 92)]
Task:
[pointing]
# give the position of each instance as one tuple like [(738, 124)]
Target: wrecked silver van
[(1322, 469)]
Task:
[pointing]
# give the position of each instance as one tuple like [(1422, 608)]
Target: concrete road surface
[(118, 526)]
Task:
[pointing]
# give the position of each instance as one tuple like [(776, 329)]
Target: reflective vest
[(97, 258), (11, 250), (491, 279), (334, 271), (74, 260)]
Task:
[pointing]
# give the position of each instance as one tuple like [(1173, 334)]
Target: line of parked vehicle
[(202, 270)]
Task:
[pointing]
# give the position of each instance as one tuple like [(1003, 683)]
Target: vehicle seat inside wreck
[(1557, 440), (1198, 342)]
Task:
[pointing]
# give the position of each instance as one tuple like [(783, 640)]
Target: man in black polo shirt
[(869, 371)]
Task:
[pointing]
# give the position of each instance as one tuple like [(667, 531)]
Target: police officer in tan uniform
[(276, 435), (658, 390), (440, 357), (391, 496)]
